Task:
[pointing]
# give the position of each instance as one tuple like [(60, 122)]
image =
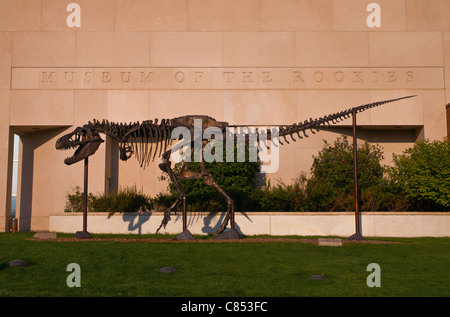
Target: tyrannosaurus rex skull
[(86, 141)]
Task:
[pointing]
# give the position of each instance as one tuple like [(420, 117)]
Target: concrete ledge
[(342, 224)]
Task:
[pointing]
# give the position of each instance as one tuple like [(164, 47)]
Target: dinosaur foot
[(164, 221), (185, 236), (165, 166), (224, 223)]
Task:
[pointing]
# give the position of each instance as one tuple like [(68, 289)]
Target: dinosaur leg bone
[(209, 180), (229, 216), (165, 166)]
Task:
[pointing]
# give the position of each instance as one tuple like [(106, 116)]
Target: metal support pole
[(357, 235), (184, 215), (86, 165), (84, 234)]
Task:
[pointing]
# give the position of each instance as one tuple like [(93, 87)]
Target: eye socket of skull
[(84, 134), (79, 135)]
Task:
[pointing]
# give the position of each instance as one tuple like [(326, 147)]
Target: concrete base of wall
[(373, 224)]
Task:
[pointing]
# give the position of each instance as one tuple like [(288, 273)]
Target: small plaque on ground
[(167, 269), (17, 263), (45, 235), (317, 277), (331, 242)]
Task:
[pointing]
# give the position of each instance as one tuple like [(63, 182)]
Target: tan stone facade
[(247, 62)]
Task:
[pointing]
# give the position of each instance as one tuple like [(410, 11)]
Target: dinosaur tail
[(314, 124)]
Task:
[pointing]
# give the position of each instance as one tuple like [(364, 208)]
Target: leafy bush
[(75, 201), (423, 174), (127, 199), (282, 197), (384, 197), (331, 186)]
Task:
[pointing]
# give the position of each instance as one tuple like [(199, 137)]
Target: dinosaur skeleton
[(150, 138)]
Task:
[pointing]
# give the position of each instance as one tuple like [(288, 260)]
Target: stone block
[(425, 15), (446, 37), (57, 49), (95, 15), (268, 107), (330, 242), (399, 49), (171, 104), (434, 114), (41, 107), (5, 59), (186, 49), (4, 119), (127, 105), (259, 49), (45, 235), (351, 15), (151, 15), (89, 104), (300, 15), (26, 78), (223, 15), (20, 15), (108, 49), (332, 49)]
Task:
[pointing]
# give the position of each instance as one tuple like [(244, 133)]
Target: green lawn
[(414, 267)]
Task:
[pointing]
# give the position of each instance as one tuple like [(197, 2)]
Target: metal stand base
[(356, 237), (185, 236), (231, 234), (83, 235)]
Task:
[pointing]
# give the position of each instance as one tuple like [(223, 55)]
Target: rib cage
[(141, 139)]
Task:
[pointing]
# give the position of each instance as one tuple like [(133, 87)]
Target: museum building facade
[(246, 62)]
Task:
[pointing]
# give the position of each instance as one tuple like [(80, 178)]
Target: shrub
[(75, 201), (127, 199), (282, 197), (384, 197), (423, 174), (331, 186)]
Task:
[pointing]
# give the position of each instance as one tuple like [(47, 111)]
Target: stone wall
[(373, 224)]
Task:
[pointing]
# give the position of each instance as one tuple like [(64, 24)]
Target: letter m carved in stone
[(47, 78)]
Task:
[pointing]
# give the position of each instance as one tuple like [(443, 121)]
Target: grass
[(415, 267)]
